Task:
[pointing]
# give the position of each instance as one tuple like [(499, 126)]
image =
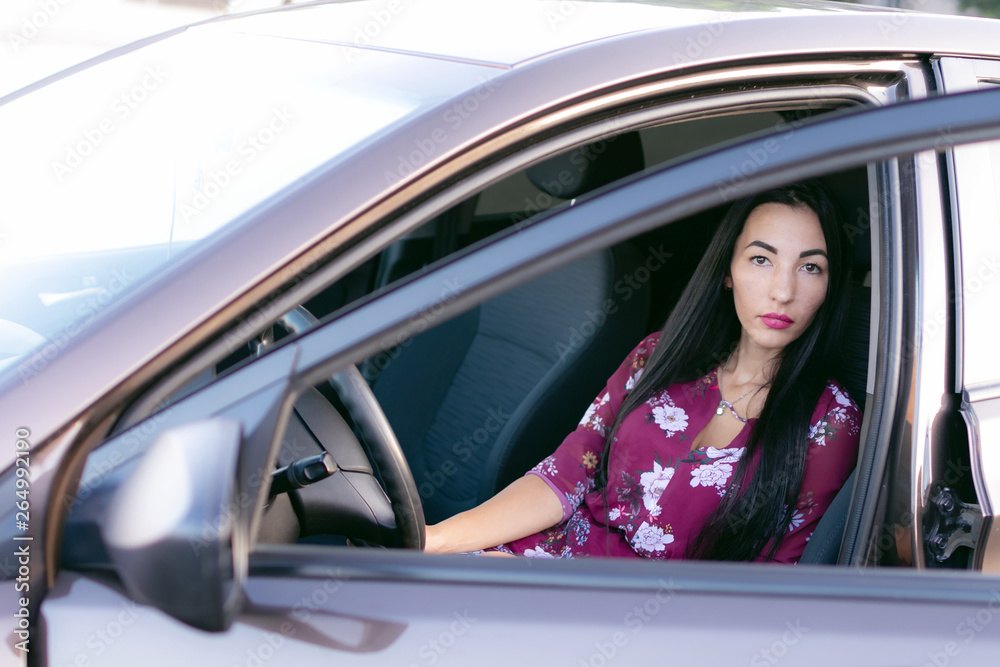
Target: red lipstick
[(776, 321)]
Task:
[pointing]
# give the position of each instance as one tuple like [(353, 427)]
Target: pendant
[(719, 410)]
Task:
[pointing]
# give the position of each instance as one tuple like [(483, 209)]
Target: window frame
[(672, 99)]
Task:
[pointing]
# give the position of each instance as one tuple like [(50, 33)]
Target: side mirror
[(175, 531)]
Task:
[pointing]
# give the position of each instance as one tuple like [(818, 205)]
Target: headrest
[(851, 191), (588, 167)]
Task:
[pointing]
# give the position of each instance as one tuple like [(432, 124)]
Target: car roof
[(509, 33)]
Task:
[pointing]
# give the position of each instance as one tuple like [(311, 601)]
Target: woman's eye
[(759, 260), (812, 268)]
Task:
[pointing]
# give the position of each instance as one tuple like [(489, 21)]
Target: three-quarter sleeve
[(570, 471), (834, 434)]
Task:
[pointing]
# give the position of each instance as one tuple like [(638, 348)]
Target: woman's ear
[(727, 282)]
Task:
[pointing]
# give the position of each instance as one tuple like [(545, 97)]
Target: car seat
[(480, 399)]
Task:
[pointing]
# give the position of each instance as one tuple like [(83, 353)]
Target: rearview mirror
[(174, 532)]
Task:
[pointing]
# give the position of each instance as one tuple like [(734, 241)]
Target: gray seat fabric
[(824, 545), (477, 401)]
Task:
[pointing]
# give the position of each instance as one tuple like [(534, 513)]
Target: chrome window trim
[(884, 419), (739, 76), (974, 183), (932, 339), (983, 392)]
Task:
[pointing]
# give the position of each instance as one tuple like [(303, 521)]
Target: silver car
[(281, 288)]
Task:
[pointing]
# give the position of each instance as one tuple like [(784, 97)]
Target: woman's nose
[(782, 286)]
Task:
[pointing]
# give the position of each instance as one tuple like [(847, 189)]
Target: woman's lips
[(776, 321)]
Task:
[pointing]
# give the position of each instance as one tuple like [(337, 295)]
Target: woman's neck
[(750, 364)]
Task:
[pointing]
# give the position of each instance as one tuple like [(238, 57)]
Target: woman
[(721, 437)]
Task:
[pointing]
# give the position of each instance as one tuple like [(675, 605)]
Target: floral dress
[(661, 492)]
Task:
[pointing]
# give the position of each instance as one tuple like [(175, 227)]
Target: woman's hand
[(527, 506)]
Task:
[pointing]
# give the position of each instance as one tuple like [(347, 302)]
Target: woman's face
[(778, 275)]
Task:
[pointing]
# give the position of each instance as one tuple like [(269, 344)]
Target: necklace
[(723, 404)]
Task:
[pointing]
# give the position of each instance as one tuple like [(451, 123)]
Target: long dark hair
[(700, 333)]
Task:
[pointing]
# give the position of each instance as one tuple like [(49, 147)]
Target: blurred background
[(41, 37)]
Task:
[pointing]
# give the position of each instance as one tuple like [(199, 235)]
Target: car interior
[(477, 400)]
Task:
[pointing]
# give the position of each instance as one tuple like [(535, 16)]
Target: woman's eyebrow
[(766, 246), (771, 248)]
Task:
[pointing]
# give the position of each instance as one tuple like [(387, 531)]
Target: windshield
[(116, 170)]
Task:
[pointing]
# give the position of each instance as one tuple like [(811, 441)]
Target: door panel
[(975, 182)]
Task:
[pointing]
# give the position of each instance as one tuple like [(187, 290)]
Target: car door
[(368, 607), (968, 514)]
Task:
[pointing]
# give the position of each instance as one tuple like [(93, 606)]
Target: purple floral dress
[(660, 491)]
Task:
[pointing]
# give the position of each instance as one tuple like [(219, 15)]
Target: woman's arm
[(533, 503), (834, 436), (527, 506)]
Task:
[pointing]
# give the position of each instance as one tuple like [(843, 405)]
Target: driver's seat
[(479, 400)]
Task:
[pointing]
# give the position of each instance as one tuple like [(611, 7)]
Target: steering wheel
[(351, 501)]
